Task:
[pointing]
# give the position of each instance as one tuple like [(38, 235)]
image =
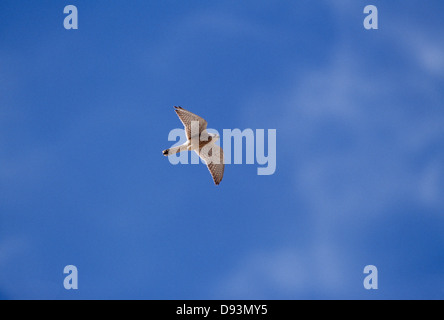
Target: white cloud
[(288, 272), (431, 184), (426, 47), (371, 166)]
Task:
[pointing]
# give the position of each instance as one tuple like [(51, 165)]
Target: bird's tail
[(172, 150)]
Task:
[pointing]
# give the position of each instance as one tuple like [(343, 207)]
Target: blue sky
[(85, 114)]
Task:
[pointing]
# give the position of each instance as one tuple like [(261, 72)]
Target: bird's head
[(214, 137)]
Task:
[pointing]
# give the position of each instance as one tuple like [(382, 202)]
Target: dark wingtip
[(165, 152)]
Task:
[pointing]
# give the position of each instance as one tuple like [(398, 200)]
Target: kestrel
[(202, 142)]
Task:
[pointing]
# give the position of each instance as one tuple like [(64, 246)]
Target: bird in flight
[(202, 142)]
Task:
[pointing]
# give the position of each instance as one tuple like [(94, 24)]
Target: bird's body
[(200, 141)]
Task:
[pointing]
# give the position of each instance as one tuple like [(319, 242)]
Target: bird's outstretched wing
[(187, 117), (213, 155)]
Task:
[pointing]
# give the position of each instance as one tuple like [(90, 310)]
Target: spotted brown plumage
[(202, 142), (187, 117)]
